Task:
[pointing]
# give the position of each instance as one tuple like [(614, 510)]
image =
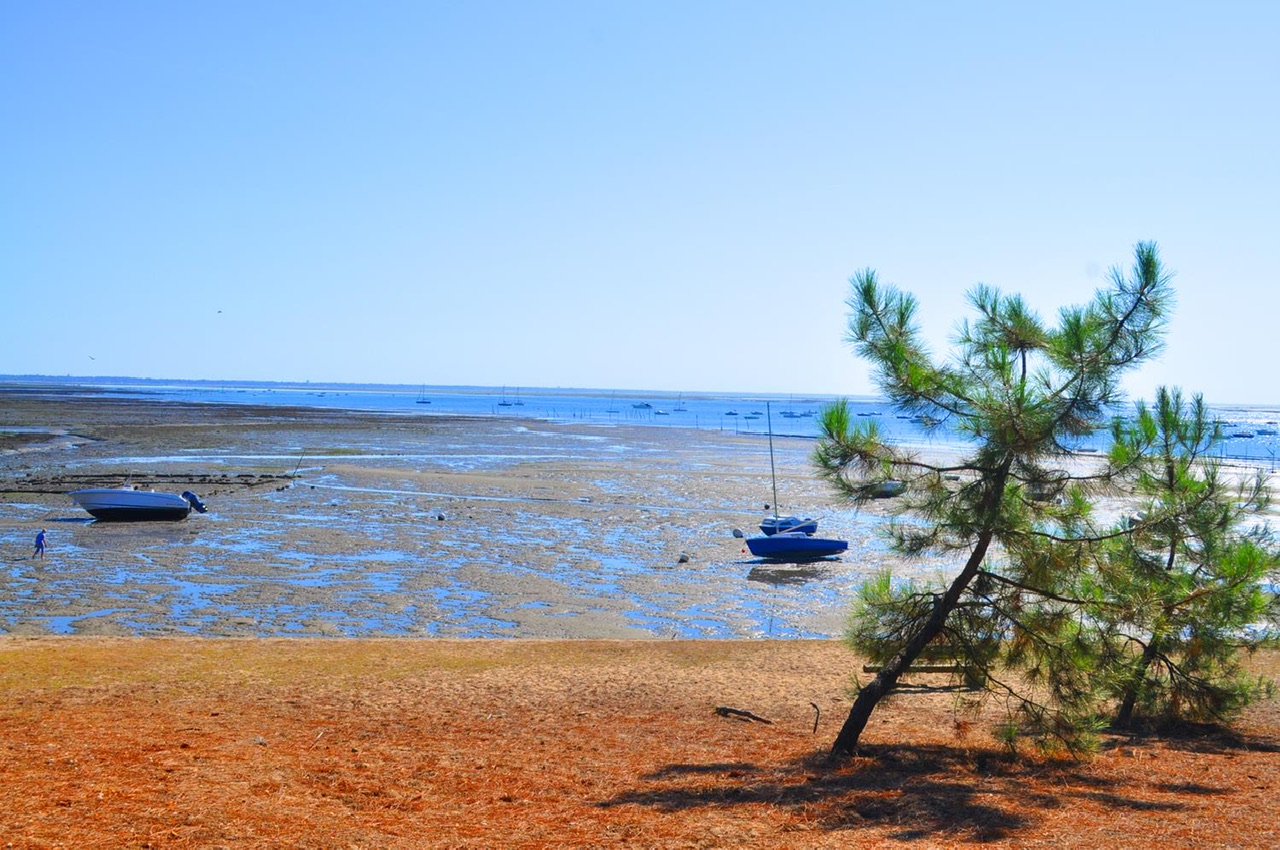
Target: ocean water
[(1252, 431)]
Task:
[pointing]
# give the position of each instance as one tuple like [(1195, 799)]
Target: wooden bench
[(920, 668), (937, 658)]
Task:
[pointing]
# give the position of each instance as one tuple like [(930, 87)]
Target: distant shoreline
[(477, 389), (1252, 432)]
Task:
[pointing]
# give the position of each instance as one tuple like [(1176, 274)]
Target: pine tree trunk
[(884, 682), (1125, 715)]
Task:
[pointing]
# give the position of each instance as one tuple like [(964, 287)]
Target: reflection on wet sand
[(788, 574)]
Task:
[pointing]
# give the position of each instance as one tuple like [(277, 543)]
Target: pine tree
[(1187, 581), (1013, 508)]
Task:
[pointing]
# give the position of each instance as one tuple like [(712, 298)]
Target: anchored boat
[(795, 546), (790, 539)]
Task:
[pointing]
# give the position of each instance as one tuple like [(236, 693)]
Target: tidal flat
[(329, 523)]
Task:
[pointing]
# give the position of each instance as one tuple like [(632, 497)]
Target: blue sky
[(644, 195)]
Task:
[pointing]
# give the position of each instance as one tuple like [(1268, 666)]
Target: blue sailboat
[(790, 539)]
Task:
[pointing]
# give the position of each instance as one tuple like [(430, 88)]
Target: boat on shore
[(795, 546), (790, 539), (128, 504)]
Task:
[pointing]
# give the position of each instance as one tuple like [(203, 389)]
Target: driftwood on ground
[(726, 711)]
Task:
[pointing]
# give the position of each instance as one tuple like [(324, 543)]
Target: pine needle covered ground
[(115, 742)]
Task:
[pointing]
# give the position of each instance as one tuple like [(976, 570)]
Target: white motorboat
[(129, 504)]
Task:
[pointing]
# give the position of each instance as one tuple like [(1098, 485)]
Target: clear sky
[(646, 195)]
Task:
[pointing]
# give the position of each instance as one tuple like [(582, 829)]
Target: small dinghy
[(775, 524)]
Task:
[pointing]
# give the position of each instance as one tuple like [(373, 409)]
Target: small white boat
[(888, 489), (128, 504)]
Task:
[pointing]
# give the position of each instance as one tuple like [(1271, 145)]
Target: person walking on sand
[(39, 552)]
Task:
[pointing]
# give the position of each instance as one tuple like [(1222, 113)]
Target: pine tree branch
[(1041, 592)]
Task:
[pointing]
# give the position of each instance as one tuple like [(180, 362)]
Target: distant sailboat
[(679, 408), (518, 402), (422, 395), (503, 402)]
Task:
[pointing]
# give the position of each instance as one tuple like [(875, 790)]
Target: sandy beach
[(298, 667)]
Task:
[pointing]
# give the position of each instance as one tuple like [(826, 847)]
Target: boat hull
[(795, 547), (132, 505)]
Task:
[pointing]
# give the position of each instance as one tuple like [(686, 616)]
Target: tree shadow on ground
[(1197, 738), (916, 791)]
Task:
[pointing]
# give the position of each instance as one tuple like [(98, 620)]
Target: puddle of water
[(66, 625)]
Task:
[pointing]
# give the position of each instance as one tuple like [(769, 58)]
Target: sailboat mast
[(768, 414)]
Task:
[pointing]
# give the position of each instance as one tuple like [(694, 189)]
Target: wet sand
[(326, 523)]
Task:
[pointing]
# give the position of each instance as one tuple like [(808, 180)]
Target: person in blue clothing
[(39, 553)]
